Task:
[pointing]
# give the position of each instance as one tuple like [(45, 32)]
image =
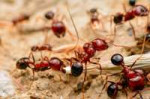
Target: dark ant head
[(112, 90), (118, 18), (49, 15), (34, 48), (76, 69), (55, 63), (58, 28), (132, 2), (99, 44), (140, 10), (22, 63), (93, 10), (117, 59), (89, 49)]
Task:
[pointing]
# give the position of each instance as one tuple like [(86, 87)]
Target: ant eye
[(112, 90), (22, 63), (76, 69), (117, 59)]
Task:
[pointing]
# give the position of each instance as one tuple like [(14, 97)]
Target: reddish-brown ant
[(134, 79), (137, 10), (95, 19), (57, 26)]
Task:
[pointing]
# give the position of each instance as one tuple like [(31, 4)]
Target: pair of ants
[(133, 79)]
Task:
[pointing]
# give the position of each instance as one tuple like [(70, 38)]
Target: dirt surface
[(16, 42)]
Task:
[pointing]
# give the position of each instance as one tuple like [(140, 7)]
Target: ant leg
[(133, 30), (143, 46), (141, 97), (108, 81), (46, 37), (71, 35), (100, 67)]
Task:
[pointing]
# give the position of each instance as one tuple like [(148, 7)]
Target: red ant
[(58, 27), (137, 10), (134, 79), (75, 68), (95, 18)]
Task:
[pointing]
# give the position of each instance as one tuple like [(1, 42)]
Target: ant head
[(93, 10), (99, 44), (76, 69), (132, 2), (117, 59), (140, 10), (112, 90), (49, 15), (118, 18), (22, 63), (58, 28), (55, 63)]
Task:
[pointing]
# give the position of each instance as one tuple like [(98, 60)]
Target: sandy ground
[(17, 41)]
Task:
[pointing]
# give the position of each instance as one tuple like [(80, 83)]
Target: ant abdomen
[(58, 28), (112, 90)]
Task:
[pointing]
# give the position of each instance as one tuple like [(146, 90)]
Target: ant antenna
[(77, 33)]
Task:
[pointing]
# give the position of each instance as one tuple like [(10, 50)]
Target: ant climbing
[(134, 79)]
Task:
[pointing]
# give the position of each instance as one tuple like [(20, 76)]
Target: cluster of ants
[(133, 79)]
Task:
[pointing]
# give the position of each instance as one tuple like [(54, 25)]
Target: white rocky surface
[(6, 85)]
